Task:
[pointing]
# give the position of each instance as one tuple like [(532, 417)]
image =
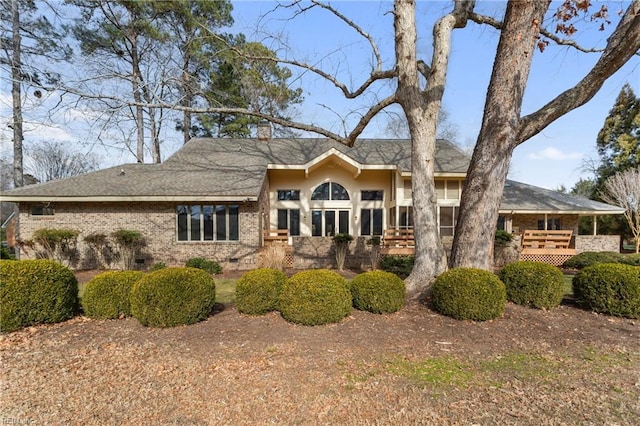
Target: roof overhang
[(332, 156), (453, 175), (576, 212), (128, 199)]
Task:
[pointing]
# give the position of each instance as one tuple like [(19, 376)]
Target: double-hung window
[(208, 222)]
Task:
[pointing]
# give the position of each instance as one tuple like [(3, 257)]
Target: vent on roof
[(264, 130)]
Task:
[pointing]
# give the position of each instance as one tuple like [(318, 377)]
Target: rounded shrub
[(534, 284), (211, 266), (106, 296), (173, 296), (36, 292), (588, 258), (609, 288), (257, 291), (631, 259), (378, 292), (469, 293), (315, 297)]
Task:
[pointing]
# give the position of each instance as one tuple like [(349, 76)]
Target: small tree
[(341, 241), (59, 245), (128, 243), (374, 251), (623, 189), (99, 244)]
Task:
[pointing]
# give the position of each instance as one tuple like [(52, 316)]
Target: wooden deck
[(276, 236), (547, 246), (397, 242)]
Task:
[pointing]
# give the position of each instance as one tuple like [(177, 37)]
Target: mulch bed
[(563, 366)]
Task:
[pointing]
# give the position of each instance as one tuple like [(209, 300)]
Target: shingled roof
[(226, 169), (522, 198)]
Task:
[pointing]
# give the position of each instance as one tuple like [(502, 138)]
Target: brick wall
[(597, 243), (156, 222)]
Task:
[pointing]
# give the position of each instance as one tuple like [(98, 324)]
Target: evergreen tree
[(619, 139), (30, 43)]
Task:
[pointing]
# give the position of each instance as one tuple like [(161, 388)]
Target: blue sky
[(550, 159)]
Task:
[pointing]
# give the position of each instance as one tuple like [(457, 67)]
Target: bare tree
[(503, 127), (623, 189), (55, 160)]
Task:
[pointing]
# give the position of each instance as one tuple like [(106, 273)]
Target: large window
[(289, 219), (330, 191), (323, 222), (371, 222), (208, 222), (406, 217)]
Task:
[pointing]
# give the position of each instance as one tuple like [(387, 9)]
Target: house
[(220, 198)]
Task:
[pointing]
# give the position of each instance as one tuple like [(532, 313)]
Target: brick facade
[(157, 223)]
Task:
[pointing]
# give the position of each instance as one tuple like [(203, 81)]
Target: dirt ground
[(563, 366)]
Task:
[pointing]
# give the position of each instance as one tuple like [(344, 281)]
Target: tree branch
[(621, 45)]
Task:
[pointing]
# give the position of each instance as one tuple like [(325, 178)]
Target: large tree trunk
[(137, 97), (479, 205), (16, 92), (421, 108), (503, 129)]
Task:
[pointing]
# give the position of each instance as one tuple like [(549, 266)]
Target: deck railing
[(396, 241)]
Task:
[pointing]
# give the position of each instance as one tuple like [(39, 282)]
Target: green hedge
[(315, 297), (378, 292), (397, 264), (534, 284), (211, 266), (173, 296), (36, 292), (469, 293), (609, 288), (257, 291), (588, 258), (106, 296)]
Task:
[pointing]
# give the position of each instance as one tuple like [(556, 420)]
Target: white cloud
[(554, 154)]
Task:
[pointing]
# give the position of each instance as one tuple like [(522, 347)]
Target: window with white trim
[(371, 222), (208, 222), (448, 217), (323, 222), (330, 191), (289, 219)]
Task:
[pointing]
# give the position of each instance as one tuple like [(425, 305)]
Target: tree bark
[(489, 165), (421, 108), (16, 93), (137, 97), (503, 130)]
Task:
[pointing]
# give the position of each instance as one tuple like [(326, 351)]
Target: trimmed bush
[(106, 296), (211, 266), (469, 293), (399, 265), (173, 296), (631, 259), (378, 292), (588, 258), (257, 291), (315, 297), (36, 292), (534, 284), (609, 288)]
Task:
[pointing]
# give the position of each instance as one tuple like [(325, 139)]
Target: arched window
[(330, 191)]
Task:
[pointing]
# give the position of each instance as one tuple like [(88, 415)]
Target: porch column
[(595, 225)]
